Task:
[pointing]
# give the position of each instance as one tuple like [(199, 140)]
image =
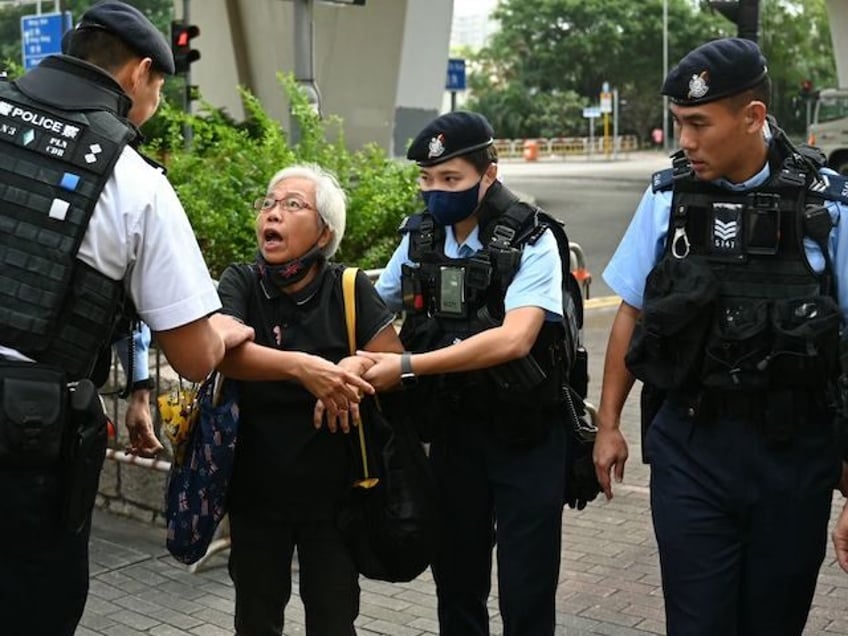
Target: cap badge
[(698, 86), (436, 147)]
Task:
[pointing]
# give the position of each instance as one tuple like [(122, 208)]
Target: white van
[(829, 128)]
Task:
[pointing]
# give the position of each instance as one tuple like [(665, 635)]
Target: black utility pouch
[(667, 346), (85, 450), (411, 289), (521, 375), (32, 414), (578, 377), (737, 353), (805, 349)]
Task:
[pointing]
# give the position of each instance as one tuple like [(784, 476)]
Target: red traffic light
[(181, 36)]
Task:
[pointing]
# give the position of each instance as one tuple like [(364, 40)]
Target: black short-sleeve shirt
[(284, 467)]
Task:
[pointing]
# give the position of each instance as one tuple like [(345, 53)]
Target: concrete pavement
[(609, 579)]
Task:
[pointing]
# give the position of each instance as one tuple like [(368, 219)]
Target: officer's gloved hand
[(581, 481)]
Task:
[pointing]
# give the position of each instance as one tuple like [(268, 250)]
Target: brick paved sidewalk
[(609, 580)]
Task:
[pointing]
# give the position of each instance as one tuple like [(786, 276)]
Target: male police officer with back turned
[(84, 221), (481, 283), (732, 300)]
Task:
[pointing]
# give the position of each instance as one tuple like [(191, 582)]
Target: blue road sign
[(41, 35), (456, 74)]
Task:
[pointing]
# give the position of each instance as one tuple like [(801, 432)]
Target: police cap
[(451, 135), (133, 28), (717, 69)]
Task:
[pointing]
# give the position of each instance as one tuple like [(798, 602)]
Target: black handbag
[(389, 516)]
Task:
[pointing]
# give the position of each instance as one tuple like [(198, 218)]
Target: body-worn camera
[(451, 291), (762, 223)]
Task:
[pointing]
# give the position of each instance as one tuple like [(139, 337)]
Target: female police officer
[(728, 307), (478, 298)]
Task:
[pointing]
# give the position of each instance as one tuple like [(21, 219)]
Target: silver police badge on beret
[(698, 86), (436, 147)]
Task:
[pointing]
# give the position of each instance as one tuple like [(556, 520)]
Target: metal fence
[(562, 147)]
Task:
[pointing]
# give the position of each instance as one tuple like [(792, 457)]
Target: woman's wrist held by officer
[(356, 364)]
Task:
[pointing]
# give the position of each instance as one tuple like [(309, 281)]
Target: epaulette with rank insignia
[(832, 187), (536, 233), (410, 223), (662, 180)]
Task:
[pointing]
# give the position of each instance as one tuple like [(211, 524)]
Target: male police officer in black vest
[(84, 221), (732, 293), (481, 285)]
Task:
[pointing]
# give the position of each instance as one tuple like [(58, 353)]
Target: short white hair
[(330, 199)]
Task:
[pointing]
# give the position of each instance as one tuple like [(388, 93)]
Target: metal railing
[(561, 147)]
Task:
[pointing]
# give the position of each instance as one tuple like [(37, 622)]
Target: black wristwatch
[(407, 377), (148, 384)]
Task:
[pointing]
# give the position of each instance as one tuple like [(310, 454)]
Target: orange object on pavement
[(531, 150)]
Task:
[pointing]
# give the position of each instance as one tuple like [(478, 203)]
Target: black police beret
[(451, 135), (131, 26), (717, 69)]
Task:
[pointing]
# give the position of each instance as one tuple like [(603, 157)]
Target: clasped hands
[(340, 387)]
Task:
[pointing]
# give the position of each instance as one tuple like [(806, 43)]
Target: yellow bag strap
[(349, 294), (349, 291)]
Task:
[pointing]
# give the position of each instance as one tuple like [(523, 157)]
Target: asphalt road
[(595, 198)]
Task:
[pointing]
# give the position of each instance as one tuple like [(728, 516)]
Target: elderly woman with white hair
[(292, 469)]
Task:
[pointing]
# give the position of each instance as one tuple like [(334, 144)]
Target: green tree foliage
[(229, 166), (551, 57)]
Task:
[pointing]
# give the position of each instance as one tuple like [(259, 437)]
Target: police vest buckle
[(502, 237), (478, 272), (792, 177)]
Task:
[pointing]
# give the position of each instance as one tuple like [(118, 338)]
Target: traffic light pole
[(304, 54), (744, 13), (188, 133), (748, 21)]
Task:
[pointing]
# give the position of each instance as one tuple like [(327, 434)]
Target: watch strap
[(406, 364)]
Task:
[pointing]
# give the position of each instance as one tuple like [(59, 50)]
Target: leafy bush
[(228, 166)]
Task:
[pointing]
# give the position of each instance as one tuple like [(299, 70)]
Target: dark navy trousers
[(741, 522), (261, 568), (43, 567), (497, 495)]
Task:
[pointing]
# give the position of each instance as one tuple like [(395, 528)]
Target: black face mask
[(290, 272)]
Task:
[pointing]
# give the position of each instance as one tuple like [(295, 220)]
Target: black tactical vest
[(449, 299), (734, 304), (751, 240), (61, 133)]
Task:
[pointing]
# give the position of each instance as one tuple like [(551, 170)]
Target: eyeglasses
[(290, 204)]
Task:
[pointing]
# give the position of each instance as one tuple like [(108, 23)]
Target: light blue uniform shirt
[(141, 348), (537, 283), (643, 244)]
